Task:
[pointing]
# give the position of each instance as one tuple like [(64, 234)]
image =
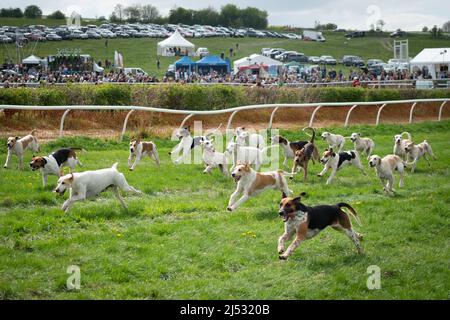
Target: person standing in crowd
[(158, 63), (106, 43), (231, 52)]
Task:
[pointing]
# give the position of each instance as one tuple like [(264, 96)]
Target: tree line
[(31, 12), (228, 16)]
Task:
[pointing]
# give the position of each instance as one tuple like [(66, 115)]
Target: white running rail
[(191, 113)]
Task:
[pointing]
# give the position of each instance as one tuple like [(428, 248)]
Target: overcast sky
[(404, 14)]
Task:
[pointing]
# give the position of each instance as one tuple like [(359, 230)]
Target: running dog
[(306, 222), (335, 141), (140, 149), (250, 155), (187, 142), (88, 184), (417, 151), (214, 159), (289, 148), (302, 156), (250, 183), (337, 161), (18, 146), (54, 163), (400, 144), (362, 145), (245, 138), (385, 168)]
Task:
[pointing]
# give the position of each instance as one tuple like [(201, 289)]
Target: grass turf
[(178, 241), (141, 52)]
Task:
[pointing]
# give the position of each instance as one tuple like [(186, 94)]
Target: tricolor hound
[(187, 142), (88, 184), (250, 183), (53, 164), (416, 151), (18, 146), (385, 167), (306, 222), (362, 145), (337, 161), (139, 149)]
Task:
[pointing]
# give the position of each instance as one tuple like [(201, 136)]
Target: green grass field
[(178, 241), (142, 52)]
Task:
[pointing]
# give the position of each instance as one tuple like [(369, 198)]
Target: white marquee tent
[(255, 59), (175, 41), (32, 60), (435, 60)]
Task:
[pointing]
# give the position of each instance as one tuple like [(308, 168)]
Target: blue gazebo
[(209, 63), (184, 63)]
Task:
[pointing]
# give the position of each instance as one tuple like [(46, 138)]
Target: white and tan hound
[(385, 168), (140, 149), (250, 183), (417, 151), (362, 145), (335, 141), (400, 144), (88, 184), (17, 146)]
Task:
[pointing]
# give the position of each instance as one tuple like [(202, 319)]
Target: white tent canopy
[(255, 59), (176, 40), (435, 60), (32, 60)]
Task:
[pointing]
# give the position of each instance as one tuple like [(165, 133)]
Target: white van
[(133, 71), (202, 52)]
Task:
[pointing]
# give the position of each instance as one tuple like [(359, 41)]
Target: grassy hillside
[(142, 52), (178, 241)]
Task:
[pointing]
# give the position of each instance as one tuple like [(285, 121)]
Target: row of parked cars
[(136, 30), (375, 66)]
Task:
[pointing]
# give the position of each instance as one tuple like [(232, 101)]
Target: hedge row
[(195, 97)]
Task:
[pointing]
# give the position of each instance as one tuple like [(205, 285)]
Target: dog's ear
[(283, 195), (243, 128), (331, 150), (303, 194), (17, 138)]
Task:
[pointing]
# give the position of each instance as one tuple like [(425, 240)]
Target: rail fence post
[(271, 118), (124, 128), (348, 115), (411, 112), (440, 110), (61, 126), (313, 115), (377, 122)]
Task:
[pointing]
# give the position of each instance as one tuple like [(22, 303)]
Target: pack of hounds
[(245, 154)]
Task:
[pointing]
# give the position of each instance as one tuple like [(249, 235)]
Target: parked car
[(5, 39), (327, 60), (314, 59), (298, 57), (372, 62), (78, 34), (36, 37), (202, 52), (92, 34), (53, 37), (398, 34), (355, 34)]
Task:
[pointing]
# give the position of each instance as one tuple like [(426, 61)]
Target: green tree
[(208, 16), (425, 29), (230, 16), (254, 18), (56, 15), (149, 13), (32, 12), (133, 13), (181, 15)]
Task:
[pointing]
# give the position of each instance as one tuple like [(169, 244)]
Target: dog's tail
[(79, 149), (313, 136), (407, 134), (33, 132), (114, 166), (214, 131), (352, 211), (287, 174)]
